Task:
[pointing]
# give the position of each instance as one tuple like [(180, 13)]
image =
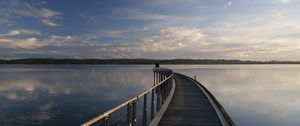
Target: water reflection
[(65, 95), (260, 95)]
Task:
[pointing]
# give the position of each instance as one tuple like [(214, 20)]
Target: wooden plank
[(189, 107)]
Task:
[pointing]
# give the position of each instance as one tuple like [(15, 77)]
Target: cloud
[(59, 40), (33, 42), (285, 1), (21, 31), (14, 10), (191, 31), (169, 40), (118, 33), (31, 11), (49, 23), (227, 5), (174, 2), (6, 40), (27, 43), (115, 35), (175, 37), (267, 36), (141, 15), (237, 55), (6, 21), (273, 2)]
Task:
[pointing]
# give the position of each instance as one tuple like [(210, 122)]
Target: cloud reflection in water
[(50, 95), (253, 94)]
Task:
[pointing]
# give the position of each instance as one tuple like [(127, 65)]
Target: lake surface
[(65, 95), (253, 95), (48, 95)]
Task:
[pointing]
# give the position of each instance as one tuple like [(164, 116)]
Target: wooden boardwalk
[(188, 103), (189, 106)]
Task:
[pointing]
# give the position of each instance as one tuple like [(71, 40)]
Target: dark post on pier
[(156, 64)]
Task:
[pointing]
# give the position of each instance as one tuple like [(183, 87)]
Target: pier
[(173, 100)]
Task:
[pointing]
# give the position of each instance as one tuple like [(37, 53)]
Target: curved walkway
[(189, 106)]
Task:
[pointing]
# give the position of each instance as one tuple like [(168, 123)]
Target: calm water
[(65, 95), (253, 95), (261, 95)]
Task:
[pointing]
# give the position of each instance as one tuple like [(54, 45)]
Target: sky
[(156, 29)]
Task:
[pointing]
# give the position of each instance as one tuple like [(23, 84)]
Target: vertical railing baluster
[(158, 80), (106, 121), (152, 98), (152, 104), (145, 109), (134, 120), (154, 78), (162, 90), (165, 88), (157, 93), (129, 114), (157, 99), (169, 85)]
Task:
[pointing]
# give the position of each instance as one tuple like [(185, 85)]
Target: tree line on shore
[(138, 61)]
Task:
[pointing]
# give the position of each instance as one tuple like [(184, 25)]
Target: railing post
[(166, 87), (134, 113), (106, 121), (158, 79), (158, 99), (152, 96), (154, 78), (152, 104), (162, 91), (129, 114), (165, 94), (145, 109), (169, 85), (157, 92)]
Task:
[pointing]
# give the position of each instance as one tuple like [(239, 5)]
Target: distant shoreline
[(140, 61)]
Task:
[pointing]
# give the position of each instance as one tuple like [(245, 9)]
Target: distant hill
[(137, 61)]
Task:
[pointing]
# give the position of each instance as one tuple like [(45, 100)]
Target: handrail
[(107, 113)]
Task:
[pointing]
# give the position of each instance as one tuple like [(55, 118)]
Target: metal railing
[(134, 111)]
